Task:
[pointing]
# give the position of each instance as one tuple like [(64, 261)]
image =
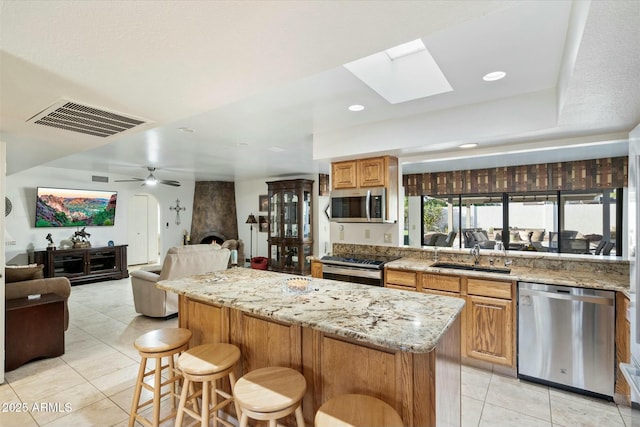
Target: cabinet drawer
[(402, 278), (442, 293), (489, 288), (439, 282), (399, 287)]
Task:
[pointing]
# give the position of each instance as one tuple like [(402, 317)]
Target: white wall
[(21, 190), (415, 220), (3, 168), (633, 224)]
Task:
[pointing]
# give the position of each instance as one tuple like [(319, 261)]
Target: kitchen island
[(401, 347)]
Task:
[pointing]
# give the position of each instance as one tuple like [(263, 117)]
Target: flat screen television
[(63, 207)]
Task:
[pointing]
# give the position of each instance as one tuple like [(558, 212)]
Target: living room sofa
[(179, 262), (22, 281)]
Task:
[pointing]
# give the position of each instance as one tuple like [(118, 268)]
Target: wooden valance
[(596, 174)]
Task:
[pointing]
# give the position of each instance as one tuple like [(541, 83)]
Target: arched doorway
[(143, 230)]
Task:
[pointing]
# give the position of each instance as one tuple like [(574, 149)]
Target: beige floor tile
[(17, 419), (87, 351), (510, 393), (117, 381), (475, 383), (471, 411), (586, 412), (7, 394), (554, 392), (103, 364), (26, 371), (493, 416), (124, 399), (101, 413), (72, 399), (41, 386)]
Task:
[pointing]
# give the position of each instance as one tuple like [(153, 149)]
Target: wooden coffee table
[(34, 329)]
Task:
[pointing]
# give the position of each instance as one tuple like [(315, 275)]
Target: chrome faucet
[(507, 262), (476, 254)]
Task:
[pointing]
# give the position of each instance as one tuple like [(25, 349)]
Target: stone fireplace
[(214, 212)]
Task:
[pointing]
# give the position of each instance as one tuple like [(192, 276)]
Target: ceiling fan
[(151, 179)]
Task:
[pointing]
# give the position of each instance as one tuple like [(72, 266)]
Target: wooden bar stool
[(270, 394), (356, 410), (206, 364), (157, 345)]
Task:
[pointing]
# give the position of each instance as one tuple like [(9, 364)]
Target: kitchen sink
[(471, 267)]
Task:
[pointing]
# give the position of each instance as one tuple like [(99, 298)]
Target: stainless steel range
[(365, 269)]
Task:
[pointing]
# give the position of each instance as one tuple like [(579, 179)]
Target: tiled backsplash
[(547, 261)]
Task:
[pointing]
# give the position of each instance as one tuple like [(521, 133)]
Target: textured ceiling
[(262, 85)]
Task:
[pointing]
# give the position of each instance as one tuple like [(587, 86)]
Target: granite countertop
[(392, 319), (606, 280)]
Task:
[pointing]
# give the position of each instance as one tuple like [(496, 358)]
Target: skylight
[(401, 73)]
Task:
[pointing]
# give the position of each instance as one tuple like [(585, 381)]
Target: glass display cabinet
[(290, 238)]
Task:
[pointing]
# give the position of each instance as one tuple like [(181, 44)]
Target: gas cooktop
[(357, 260)]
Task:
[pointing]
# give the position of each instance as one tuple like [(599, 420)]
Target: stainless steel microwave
[(359, 205)]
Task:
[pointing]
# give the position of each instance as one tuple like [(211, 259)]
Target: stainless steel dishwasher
[(566, 337)]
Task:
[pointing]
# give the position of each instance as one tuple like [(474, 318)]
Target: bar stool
[(356, 410), (157, 345), (270, 394), (206, 364)]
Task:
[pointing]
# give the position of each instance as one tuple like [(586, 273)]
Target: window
[(481, 219), (532, 220), (570, 222), (437, 221), (588, 222)]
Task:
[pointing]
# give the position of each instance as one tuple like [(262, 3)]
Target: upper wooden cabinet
[(343, 175), (373, 172), (363, 173)]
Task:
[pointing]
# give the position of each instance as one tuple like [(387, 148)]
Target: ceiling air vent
[(76, 117)]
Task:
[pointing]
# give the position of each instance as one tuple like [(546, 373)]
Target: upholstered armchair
[(28, 280), (180, 262)]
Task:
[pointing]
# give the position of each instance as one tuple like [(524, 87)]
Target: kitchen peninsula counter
[(345, 338), (605, 277)]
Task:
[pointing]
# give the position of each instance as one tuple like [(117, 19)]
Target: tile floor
[(92, 383)]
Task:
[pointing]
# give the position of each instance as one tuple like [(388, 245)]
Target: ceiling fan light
[(151, 180)]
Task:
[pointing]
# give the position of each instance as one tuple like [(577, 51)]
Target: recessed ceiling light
[(468, 145), (242, 144), (276, 149), (493, 76), (186, 130), (356, 107)]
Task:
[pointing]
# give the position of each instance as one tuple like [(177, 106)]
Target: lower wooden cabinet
[(489, 329), (488, 319), (316, 269), (404, 279), (623, 346)]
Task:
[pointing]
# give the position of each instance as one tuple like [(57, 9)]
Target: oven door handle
[(357, 272)]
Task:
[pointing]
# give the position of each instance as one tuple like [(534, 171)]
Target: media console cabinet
[(83, 265)]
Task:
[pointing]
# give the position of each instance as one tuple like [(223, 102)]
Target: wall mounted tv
[(62, 207)]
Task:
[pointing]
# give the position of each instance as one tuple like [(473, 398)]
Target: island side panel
[(340, 366), (448, 377), (265, 342), (207, 322), (437, 382)]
